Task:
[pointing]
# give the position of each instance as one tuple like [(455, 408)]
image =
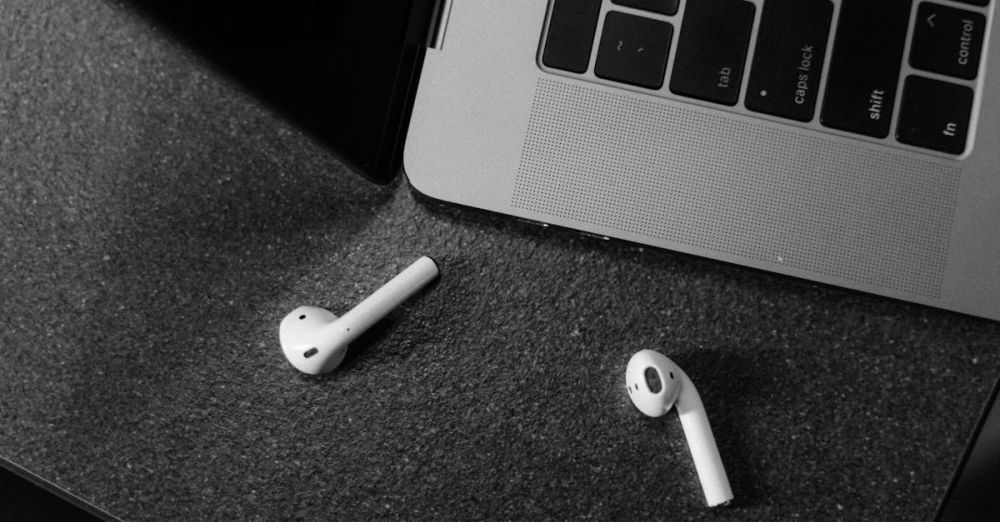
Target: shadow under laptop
[(341, 71), (829, 303)]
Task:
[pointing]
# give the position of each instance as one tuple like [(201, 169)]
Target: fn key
[(934, 115)]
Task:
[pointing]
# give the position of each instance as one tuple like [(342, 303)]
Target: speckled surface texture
[(156, 223)]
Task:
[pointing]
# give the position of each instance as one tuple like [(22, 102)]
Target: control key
[(948, 40)]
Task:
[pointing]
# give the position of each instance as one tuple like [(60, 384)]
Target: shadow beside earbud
[(371, 347), (728, 383)]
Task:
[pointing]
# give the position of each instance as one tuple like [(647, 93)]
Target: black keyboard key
[(570, 36), (667, 7), (947, 41), (934, 114), (712, 50), (788, 62), (633, 50), (864, 67)]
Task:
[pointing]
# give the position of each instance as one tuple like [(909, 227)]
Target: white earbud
[(315, 341), (655, 384)]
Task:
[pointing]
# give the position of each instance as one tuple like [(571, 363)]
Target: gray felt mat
[(156, 223)]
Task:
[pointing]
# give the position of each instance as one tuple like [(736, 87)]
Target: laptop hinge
[(439, 24)]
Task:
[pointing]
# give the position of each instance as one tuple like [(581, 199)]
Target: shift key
[(788, 62), (865, 64), (712, 50)]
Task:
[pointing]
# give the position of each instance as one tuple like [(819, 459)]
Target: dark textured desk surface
[(156, 223)]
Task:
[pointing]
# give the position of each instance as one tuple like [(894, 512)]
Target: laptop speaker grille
[(676, 176)]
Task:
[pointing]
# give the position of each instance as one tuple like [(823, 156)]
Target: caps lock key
[(788, 63)]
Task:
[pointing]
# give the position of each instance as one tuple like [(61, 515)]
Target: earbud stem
[(704, 451), (376, 306)]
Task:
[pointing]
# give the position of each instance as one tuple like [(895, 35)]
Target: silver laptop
[(853, 142), (850, 142)]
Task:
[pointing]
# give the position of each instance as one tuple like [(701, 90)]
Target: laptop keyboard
[(831, 65)]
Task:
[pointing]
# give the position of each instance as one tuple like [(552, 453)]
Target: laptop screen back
[(343, 71)]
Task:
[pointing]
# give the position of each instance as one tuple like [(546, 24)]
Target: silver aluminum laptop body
[(495, 128)]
